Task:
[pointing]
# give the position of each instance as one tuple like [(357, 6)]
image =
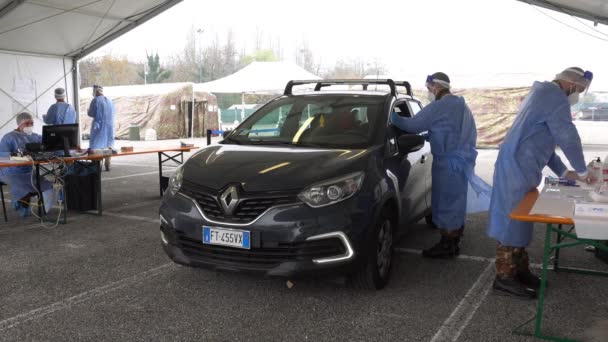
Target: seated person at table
[(19, 178)]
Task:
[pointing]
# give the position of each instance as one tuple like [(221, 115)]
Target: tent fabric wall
[(27, 83), (163, 107), (494, 111)]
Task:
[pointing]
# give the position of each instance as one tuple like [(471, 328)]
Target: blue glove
[(394, 118)]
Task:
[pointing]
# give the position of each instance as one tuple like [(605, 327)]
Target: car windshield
[(330, 121)]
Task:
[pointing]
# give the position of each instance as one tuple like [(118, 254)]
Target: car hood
[(271, 168)]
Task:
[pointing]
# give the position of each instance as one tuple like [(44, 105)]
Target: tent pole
[(242, 107), (192, 115)]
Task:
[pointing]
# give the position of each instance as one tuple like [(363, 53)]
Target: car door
[(426, 158), (410, 170)]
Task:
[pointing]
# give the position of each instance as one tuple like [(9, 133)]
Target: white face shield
[(582, 79)]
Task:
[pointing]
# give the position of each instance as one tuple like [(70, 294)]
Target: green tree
[(156, 74), (108, 70), (264, 55)]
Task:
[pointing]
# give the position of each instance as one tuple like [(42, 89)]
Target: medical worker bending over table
[(544, 122), (19, 178)]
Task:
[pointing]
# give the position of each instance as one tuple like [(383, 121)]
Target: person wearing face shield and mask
[(102, 128), (544, 122), (19, 178), (453, 136)]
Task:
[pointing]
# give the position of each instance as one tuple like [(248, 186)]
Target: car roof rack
[(364, 82)]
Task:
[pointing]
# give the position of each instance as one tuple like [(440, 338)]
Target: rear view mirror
[(410, 143), (226, 133)]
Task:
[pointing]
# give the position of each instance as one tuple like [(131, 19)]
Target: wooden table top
[(10, 163), (522, 212)]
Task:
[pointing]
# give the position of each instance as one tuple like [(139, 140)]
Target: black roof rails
[(365, 82)]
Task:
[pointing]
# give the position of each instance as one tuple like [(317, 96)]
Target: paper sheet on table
[(593, 228), (553, 207)]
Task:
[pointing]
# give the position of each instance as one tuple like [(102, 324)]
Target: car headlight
[(175, 182), (332, 191)]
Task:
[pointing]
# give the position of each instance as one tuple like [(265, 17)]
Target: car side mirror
[(410, 143), (226, 133)]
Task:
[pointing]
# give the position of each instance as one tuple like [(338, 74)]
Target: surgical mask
[(574, 98), (430, 96), (28, 130)]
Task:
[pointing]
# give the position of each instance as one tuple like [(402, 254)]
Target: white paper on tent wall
[(24, 92)]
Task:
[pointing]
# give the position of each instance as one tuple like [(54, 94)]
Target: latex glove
[(570, 175)]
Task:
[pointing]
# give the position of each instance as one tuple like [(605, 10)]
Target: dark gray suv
[(310, 184)]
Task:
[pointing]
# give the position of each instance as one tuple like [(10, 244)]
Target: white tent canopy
[(594, 10), (41, 42), (258, 78)]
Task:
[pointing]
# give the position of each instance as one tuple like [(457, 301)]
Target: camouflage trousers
[(510, 261)]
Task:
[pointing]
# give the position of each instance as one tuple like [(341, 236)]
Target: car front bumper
[(288, 241)]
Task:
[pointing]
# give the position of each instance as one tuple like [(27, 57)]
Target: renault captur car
[(311, 183)]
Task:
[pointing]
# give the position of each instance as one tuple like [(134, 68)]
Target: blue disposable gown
[(544, 122), (60, 113), (102, 128), (19, 178), (453, 137)]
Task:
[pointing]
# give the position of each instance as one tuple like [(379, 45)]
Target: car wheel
[(375, 271), (429, 221)]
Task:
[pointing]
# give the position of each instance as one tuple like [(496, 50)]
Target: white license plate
[(227, 237)]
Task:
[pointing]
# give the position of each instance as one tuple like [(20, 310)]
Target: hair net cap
[(577, 76), (24, 116), (59, 93), (438, 78)]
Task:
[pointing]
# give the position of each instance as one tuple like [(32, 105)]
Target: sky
[(473, 39)]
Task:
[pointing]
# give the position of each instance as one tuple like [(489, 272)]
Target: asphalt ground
[(107, 279)]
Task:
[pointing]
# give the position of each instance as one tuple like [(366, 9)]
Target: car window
[(414, 106), (270, 125), (333, 121)]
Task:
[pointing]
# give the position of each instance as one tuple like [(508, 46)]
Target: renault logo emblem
[(229, 199)]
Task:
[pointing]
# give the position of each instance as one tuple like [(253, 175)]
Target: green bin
[(134, 133)]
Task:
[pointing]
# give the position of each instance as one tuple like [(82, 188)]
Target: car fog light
[(163, 238)]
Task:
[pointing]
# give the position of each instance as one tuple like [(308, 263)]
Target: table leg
[(556, 258), (99, 202), (543, 282), (40, 197), (160, 173)]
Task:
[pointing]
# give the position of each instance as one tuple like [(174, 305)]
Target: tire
[(375, 270), (429, 221)]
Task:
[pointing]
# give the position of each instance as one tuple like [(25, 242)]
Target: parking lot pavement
[(107, 279)]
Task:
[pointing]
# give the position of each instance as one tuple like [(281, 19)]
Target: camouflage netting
[(494, 111), (155, 111)]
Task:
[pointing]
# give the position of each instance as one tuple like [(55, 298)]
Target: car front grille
[(249, 209), (264, 257)]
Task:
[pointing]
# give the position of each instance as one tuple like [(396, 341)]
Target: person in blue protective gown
[(544, 122), (453, 137), (102, 128), (60, 113), (19, 178)]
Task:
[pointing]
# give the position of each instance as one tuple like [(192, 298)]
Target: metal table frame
[(164, 158), (175, 155), (549, 248)]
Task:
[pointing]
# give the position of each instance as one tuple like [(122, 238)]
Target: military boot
[(447, 247), (506, 270), (522, 269)]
